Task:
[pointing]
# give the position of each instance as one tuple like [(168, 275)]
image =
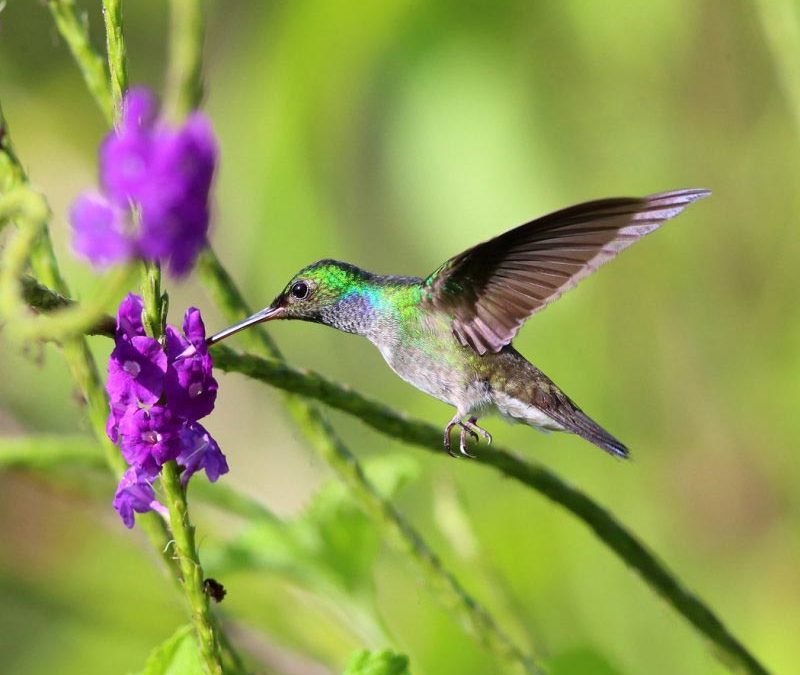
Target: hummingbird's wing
[(492, 288)]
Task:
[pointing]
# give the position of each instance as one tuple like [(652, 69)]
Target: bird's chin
[(271, 313)]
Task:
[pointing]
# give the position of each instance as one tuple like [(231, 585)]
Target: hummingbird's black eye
[(299, 290)]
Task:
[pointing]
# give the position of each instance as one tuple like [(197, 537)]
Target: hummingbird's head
[(328, 291)]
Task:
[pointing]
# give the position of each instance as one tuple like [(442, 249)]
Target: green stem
[(11, 171), (154, 300), (115, 48), (184, 86), (154, 317), (604, 525), (191, 570), (90, 63), (110, 98), (45, 451), (30, 212), (390, 521)]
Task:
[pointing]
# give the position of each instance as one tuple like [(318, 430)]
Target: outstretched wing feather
[(492, 288)]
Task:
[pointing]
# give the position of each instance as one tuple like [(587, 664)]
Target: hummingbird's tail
[(575, 421), (530, 396)]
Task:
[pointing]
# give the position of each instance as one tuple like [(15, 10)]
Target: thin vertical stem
[(154, 315), (115, 47), (191, 570), (90, 63), (154, 319), (11, 171), (184, 86)]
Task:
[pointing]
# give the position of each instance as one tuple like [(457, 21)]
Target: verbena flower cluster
[(154, 197), (157, 398)]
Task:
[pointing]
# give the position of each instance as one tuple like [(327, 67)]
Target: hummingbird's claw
[(447, 431), (462, 445), (465, 426), (469, 427), (472, 422)]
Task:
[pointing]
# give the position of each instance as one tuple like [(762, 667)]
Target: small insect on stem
[(214, 590)]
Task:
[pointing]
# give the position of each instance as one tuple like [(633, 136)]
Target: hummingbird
[(449, 334)]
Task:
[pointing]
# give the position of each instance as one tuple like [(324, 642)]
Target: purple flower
[(156, 398), (136, 371), (156, 182), (135, 494), (200, 451), (190, 388), (129, 317), (150, 437), (118, 410), (101, 236)]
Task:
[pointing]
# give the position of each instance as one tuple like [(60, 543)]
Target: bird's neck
[(377, 309)]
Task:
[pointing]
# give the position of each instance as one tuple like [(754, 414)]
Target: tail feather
[(578, 422), (532, 387)]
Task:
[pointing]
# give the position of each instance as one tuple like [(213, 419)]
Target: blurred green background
[(394, 135)]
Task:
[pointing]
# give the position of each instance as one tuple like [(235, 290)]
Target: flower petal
[(135, 494), (200, 451), (194, 329), (129, 317), (99, 230), (136, 371), (138, 111), (149, 437)]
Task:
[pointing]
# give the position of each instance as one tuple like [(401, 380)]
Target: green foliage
[(383, 662), (178, 655), (330, 547)]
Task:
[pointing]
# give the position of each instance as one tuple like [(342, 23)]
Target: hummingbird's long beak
[(267, 314)]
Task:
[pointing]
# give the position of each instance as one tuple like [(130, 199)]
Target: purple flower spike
[(150, 437), (157, 394), (200, 451), (135, 494), (162, 175)]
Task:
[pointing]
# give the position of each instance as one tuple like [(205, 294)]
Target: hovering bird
[(450, 333)]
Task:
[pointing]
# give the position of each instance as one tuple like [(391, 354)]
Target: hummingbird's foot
[(473, 428), (467, 428)]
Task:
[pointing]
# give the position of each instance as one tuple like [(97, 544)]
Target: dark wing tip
[(590, 431), (615, 448), (679, 197)]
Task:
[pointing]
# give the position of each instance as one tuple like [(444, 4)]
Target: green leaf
[(331, 542), (179, 655), (383, 662)]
